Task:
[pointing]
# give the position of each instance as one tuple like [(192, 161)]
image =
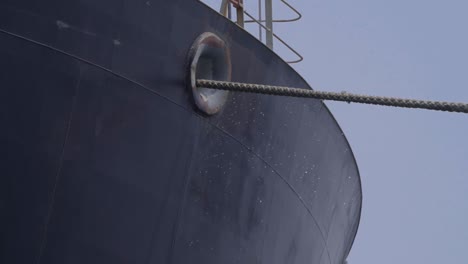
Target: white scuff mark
[(148, 3), (89, 33), (62, 25), (117, 42)]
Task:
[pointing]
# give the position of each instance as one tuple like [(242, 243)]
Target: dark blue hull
[(105, 159)]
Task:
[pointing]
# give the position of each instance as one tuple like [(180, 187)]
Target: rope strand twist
[(333, 96)]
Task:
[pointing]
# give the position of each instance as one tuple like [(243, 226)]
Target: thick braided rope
[(344, 97)]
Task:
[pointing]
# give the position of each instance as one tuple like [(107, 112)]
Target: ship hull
[(105, 158)]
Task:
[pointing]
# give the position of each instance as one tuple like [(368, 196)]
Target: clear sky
[(413, 163)]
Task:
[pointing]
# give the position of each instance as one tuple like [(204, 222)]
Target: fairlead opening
[(209, 59)]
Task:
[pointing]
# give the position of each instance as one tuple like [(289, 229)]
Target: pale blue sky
[(413, 163)]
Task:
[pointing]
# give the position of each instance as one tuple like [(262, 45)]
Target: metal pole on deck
[(269, 23), (239, 5), (260, 29), (224, 7), (240, 17)]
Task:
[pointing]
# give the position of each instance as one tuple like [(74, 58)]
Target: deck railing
[(265, 25)]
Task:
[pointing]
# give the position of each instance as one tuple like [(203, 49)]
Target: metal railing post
[(240, 17), (224, 7), (269, 23)]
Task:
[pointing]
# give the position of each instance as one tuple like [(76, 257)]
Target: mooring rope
[(333, 96)]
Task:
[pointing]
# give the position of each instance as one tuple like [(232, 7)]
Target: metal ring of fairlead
[(209, 58)]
